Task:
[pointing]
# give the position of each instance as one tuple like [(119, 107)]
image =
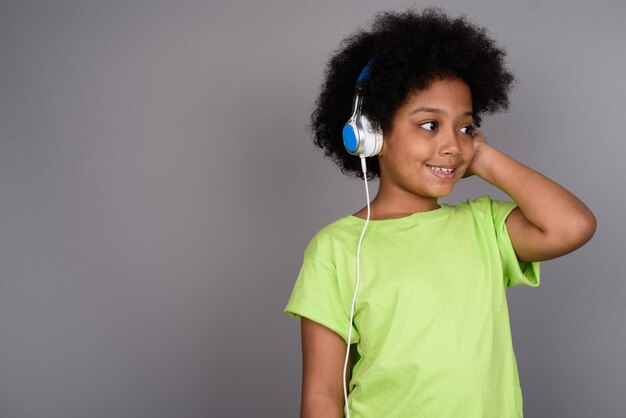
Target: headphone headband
[(359, 136), (364, 75)]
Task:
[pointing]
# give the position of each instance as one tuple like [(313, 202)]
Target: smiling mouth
[(445, 173), (441, 169)]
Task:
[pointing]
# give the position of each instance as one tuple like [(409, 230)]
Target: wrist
[(498, 168), (482, 162)]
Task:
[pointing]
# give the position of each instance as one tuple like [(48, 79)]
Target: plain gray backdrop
[(158, 187)]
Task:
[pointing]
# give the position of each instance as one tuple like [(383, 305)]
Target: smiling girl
[(429, 335)]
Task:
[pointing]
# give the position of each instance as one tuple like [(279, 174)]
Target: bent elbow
[(588, 229), (581, 230)]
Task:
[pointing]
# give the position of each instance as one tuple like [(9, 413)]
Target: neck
[(392, 203)]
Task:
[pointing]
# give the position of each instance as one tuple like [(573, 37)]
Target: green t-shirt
[(431, 320)]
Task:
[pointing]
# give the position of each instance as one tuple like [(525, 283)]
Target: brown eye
[(467, 129), (429, 126)]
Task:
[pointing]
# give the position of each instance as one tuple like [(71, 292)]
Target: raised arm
[(549, 221), (323, 356)]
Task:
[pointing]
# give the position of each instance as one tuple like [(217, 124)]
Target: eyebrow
[(434, 110)]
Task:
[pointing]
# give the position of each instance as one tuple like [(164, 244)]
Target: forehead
[(451, 95)]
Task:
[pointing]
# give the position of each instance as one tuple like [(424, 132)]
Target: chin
[(443, 193), (440, 195)]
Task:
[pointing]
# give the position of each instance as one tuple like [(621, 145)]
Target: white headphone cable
[(356, 288)]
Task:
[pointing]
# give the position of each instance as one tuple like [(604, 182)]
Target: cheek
[(468, 149)]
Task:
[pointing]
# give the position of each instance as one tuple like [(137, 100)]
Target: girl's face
[(429, 146)]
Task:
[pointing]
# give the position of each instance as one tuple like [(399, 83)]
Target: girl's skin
[(432, 133)]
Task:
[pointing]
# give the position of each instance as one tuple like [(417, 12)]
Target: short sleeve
[(316, 295), (516, 272)]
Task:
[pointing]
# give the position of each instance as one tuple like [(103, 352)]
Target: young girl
[(417, 286)]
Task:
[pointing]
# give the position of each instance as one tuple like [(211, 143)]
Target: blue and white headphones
[(359, 136)]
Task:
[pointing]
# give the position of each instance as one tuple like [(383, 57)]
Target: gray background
[(158, 187)]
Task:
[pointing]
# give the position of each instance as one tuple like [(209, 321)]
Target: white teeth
[(441, 169)]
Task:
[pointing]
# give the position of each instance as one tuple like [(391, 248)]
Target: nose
[(450, 145)]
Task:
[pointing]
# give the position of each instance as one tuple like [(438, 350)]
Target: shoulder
[(483, 204), (329, 237), (484, 207)]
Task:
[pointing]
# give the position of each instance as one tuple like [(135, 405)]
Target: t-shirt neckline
[(442, 210)]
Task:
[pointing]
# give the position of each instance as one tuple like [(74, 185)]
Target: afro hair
[(408, 50)]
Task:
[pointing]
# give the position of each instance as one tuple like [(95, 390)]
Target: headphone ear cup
[(350, 136), (372, 138)]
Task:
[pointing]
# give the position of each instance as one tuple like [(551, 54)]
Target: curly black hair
[(408, 50)]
